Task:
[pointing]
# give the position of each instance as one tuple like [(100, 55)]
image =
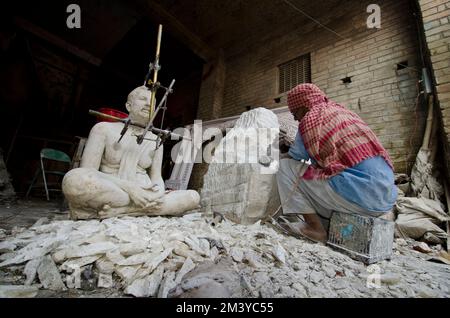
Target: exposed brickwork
[(384, 97), (212, 89), (436, 18)]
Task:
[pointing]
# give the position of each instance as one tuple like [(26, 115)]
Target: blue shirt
[(369, 184)]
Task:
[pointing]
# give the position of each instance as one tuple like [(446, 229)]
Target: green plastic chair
[(49, 154)]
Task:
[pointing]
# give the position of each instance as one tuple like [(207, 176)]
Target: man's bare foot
[(319, 235), (314, 228), (311, 228), (301, 229)]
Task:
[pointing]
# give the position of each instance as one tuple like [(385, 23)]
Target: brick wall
[(436, 19), (385, 98), (212, 89)]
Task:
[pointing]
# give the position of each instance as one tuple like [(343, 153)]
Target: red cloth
[(334, 136)]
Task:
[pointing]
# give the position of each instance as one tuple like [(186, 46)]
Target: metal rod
[(152, 119), (163, 101), (153, 129), (106, 116), (164, 114)]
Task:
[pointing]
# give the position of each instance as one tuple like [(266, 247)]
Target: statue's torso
[(136, 158)]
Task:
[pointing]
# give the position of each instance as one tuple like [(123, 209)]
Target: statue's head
[(138, 104)]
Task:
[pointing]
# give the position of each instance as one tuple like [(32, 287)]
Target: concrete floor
[(24, 213)]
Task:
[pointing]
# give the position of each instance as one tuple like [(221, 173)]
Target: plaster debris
[(130, 249), (89, 250), (6, 247), (49, 275), (167, 284), (187, 257), (390, 279), (30, 270), (105, 280), (423, 248), (105, 266), (237, 254), (18, 291), (280, 253), (77, 263), (186, 268)]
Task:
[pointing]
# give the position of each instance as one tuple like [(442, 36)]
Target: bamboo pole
[(426, 138), (155, 73)]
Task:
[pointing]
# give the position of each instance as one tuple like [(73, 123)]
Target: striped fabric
[(334, 136)]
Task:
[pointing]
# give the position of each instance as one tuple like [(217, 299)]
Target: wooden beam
[(159, 14), (56, 41), (62, 44)]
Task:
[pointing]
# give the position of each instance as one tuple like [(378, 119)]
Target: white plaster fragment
[(49, 275), (18, 291)]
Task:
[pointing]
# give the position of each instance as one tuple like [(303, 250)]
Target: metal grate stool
[(363, 238)]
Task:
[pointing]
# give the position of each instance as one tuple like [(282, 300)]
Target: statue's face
[(138, 104)]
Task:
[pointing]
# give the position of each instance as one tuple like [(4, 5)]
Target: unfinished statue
[(123, 179), (240, 183)]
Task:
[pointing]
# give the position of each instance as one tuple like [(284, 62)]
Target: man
[(123, 178), (351, 172)]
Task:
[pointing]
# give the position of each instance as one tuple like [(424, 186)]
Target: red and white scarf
[(334, 136)]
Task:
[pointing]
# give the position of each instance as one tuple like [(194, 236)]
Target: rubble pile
[(191, 257)]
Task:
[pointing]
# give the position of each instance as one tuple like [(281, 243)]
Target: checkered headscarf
[(334, 136), (305, 95)]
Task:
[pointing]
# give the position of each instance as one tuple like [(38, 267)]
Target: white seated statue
[(123, 179)]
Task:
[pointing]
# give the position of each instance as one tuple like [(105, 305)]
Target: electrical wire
[(312, 19)]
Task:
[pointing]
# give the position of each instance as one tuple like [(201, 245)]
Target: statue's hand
[(144, 198), (155, 188)]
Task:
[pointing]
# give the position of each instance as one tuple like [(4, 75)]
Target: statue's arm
[(93, 153), (145, 198), (95, 146)]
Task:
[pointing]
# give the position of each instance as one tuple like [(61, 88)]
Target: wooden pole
[(426, 138)]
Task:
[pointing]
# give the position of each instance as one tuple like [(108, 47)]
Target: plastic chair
[(49, 154)]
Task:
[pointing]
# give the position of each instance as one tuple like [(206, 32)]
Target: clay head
[(138, 104)]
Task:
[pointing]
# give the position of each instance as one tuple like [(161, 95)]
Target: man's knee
[(285, 170), (284, 165)]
